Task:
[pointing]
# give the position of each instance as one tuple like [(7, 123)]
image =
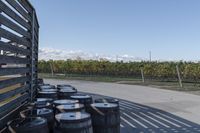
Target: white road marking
[(135, 120), (127, 122)]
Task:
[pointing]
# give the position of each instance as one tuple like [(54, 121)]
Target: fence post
[(179, 76), (142, 73), (51, 66)]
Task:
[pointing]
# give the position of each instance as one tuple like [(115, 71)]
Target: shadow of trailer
[(138, 118), (19, 31)]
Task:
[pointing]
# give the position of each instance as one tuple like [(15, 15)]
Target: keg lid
[(42, 111), (47, 87), (72, 117), (64, 85), (104, 105), (67, 87), (35, 112), (81, 96), (41, 104), (107, 100), (67, 90), (49, 90), (70, 106), (44, 100), (65, 102)]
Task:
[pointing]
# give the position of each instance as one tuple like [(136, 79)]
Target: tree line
[(189, 71)]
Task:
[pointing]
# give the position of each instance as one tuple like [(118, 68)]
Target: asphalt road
[(181, 104)]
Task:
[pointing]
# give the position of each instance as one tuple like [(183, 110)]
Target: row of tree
[(152, 70)]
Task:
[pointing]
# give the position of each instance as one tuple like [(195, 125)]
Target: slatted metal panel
[(19, 31)]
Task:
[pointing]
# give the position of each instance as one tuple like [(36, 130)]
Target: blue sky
[(168, 28)]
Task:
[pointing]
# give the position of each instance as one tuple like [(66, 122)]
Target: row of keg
[(62, 109)]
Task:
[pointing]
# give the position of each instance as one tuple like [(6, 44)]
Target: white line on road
[(135, 120), (127, 122)]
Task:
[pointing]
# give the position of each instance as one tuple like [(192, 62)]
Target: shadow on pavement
[(137, 118)]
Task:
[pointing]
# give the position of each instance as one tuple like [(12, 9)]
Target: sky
[(170, 29)]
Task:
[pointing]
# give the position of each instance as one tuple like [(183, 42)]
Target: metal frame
[(19, 31), (32, 52)]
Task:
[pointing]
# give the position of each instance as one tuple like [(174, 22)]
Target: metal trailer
[(19, 31)]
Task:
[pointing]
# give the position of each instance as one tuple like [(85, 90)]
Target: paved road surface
[(178, 103)]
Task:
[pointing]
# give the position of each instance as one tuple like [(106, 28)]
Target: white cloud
[(57, 54)]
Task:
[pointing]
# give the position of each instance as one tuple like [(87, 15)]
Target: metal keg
[(40, 105), (83, 99), (74, 122), (63, 86), (47, 94), (28, 125), (44, 113), (66, 93), (64, 102), (70, 108), (44, 100), (47, 86), (107, 100), (48, 90), (105, 117)]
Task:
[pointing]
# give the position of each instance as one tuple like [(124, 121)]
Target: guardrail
[(19, 31)]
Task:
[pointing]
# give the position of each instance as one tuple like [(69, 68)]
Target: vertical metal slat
[(32, 54)]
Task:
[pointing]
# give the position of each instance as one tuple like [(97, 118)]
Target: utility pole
[(150, 56), (179, 76), (142, 74), (52, 72)]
